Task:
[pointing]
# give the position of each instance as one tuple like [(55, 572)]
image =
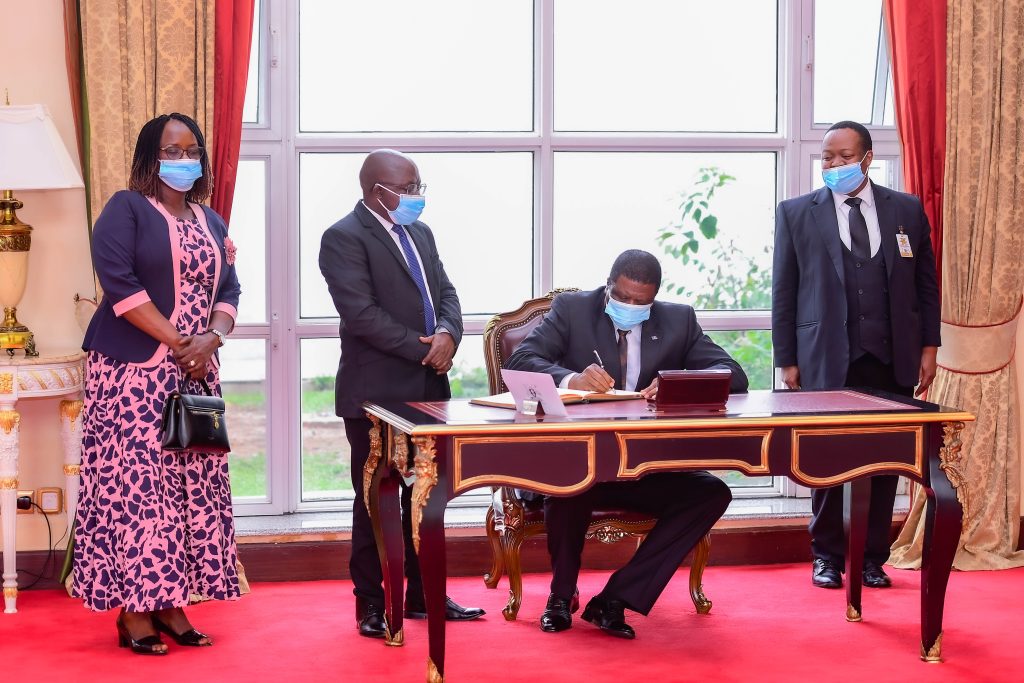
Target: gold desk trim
[(666, 423), (459, 484), (917, 468), (719, 463)]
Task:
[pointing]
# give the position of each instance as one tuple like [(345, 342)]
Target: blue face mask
[(626, 316), (844, 179), (409, 208), (180, 174)]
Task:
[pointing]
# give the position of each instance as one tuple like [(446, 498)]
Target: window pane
[(405, 65), (889, 117), (251, 106), (243, 376), (845, 59), (468, 375), (479, 207), (752, 349), (249, 233), (880, 171), (665, 65), (326, 459), (608, 202)]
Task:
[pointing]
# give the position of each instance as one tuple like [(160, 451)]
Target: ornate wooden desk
[(36, 377), (816, 438)]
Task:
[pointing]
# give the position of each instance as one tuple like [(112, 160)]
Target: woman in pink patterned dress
[(155, 527)]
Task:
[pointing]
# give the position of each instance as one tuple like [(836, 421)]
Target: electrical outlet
[(50, 500), (30, 509)]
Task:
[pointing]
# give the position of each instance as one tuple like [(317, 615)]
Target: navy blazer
[(809, 293), (136, 254), (381, 312), (576, 326)]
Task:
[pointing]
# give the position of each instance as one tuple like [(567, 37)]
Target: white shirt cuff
[(564, 384)]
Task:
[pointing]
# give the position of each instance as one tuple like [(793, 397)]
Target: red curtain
[(232, 42), (917, 47)]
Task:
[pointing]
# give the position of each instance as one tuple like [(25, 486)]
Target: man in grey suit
[(400, 325), (855, 303), (618, 336)]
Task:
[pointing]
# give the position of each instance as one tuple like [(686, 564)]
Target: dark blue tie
[(417, 277)]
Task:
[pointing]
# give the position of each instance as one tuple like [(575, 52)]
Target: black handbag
[(195, 422)]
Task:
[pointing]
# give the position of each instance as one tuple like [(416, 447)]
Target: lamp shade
[(32, 154)]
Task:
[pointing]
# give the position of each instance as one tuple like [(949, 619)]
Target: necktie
[(623, 353), (860, 243), (417, 277)]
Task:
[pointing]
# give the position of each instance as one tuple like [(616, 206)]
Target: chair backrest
[(505, 331)]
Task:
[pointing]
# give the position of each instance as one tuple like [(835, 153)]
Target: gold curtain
[(982, 278), (142, 58)]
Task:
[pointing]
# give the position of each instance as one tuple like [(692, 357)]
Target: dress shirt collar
[(866, 194)]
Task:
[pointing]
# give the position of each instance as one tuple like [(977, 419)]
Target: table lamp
[(32, 157)]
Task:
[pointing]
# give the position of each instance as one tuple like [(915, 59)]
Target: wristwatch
[(220, 336)]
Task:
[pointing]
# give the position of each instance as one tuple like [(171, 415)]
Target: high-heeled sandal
[(147, 645), (190, 638)]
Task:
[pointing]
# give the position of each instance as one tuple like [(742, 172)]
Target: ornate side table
[(42, 376)]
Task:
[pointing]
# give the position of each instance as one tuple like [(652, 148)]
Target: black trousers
[(364, 564), (828, 540), (686, 505)]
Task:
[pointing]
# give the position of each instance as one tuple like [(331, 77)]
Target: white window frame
[(276, 137)]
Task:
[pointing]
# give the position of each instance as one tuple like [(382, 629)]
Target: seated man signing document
[(619, 337)]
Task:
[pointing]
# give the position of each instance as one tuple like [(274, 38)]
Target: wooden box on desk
[(693, 390)]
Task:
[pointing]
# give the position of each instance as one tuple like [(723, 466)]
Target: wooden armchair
[(513, 517)]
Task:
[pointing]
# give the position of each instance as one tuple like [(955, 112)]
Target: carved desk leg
[(946, 507), (380, 491), (856, 501), (71, 436), (428, 538), (9, 420)]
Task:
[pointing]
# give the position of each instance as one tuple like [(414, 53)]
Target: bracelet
[(220, 336)]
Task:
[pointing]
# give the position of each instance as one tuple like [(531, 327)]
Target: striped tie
[(417, 277)]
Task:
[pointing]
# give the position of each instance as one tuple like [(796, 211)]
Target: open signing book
[(540, 387)]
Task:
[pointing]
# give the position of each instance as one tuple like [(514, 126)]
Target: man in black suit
[(632, 337), (855, 303), (400, 325)]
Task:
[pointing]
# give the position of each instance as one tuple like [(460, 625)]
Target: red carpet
[(768, 624)]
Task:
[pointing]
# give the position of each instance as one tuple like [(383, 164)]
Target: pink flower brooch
[(230, 249)]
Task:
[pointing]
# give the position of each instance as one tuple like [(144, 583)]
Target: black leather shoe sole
[(450, 613), (369, 628), (554, 623), (596, 617), (824, 574), (876, 580)]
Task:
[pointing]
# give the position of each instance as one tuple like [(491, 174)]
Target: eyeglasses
[(411, 188), (175, 152)]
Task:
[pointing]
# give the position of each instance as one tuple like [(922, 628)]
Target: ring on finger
[(191, 363)]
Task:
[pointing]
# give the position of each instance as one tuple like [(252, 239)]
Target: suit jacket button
[(860, 291), (861, 318)]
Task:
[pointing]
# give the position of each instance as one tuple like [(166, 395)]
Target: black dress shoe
[(825, 574), (369, 618), (874, 576), (416, 609), (557, 616), (609, 616)]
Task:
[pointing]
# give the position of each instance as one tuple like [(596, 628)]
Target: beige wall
[(59, 264)]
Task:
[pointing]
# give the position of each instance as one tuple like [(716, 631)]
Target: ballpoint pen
[(598, 357)]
